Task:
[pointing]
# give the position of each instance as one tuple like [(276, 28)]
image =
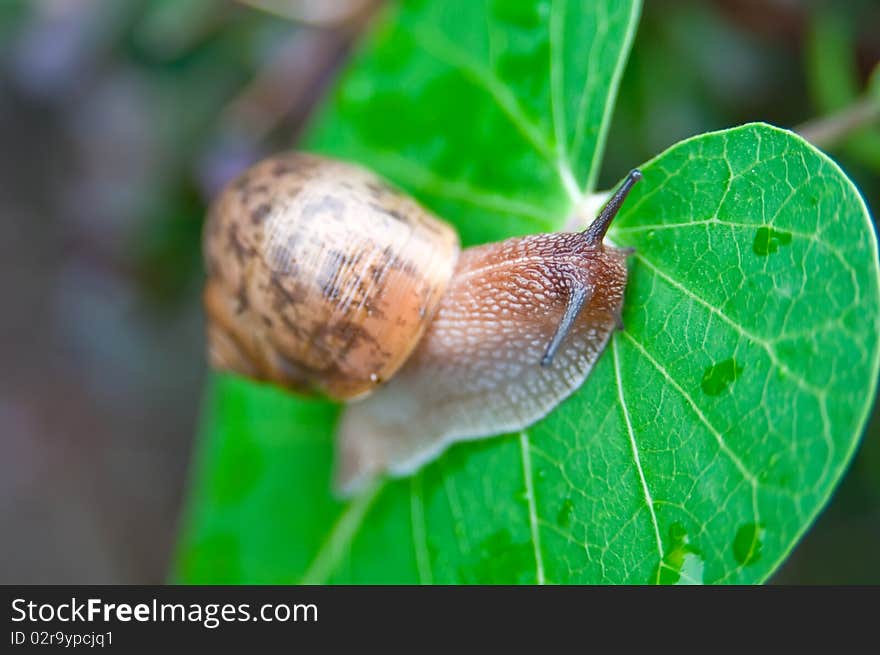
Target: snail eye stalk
[(576, 302), (597, 229)]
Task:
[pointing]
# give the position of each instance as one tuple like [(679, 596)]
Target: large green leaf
[(712, 429), (492, 112)]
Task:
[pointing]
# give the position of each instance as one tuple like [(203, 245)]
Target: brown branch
[(828, 131)]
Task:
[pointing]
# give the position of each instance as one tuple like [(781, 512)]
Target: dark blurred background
[(118, 121)]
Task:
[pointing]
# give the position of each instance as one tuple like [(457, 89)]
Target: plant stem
[(828, 131)]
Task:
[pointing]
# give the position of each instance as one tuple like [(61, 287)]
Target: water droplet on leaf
[(563, 517), (683, 562), (768, 240), (748, 543), (719, 376)]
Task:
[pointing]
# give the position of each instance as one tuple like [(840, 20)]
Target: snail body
[(324, 279)]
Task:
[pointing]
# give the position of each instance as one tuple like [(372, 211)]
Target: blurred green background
[(119, 119)]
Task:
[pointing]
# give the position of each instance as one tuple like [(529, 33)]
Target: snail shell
[(321, 277), (324, 279)]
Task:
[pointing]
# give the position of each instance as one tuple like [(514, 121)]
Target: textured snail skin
[(321, 277), (324, 279), (476, 371)]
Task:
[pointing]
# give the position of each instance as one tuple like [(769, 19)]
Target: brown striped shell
[(321, 277)]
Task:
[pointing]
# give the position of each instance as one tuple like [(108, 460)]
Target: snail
[(324, 279)]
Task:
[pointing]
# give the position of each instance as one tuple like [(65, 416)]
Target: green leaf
[(493, 113), (711, 431)]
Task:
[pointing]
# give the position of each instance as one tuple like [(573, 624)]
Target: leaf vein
[(737, 462), (441, 48), (340, 537), (533, 512), (771, 352), (419, 532), (635, 450)]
